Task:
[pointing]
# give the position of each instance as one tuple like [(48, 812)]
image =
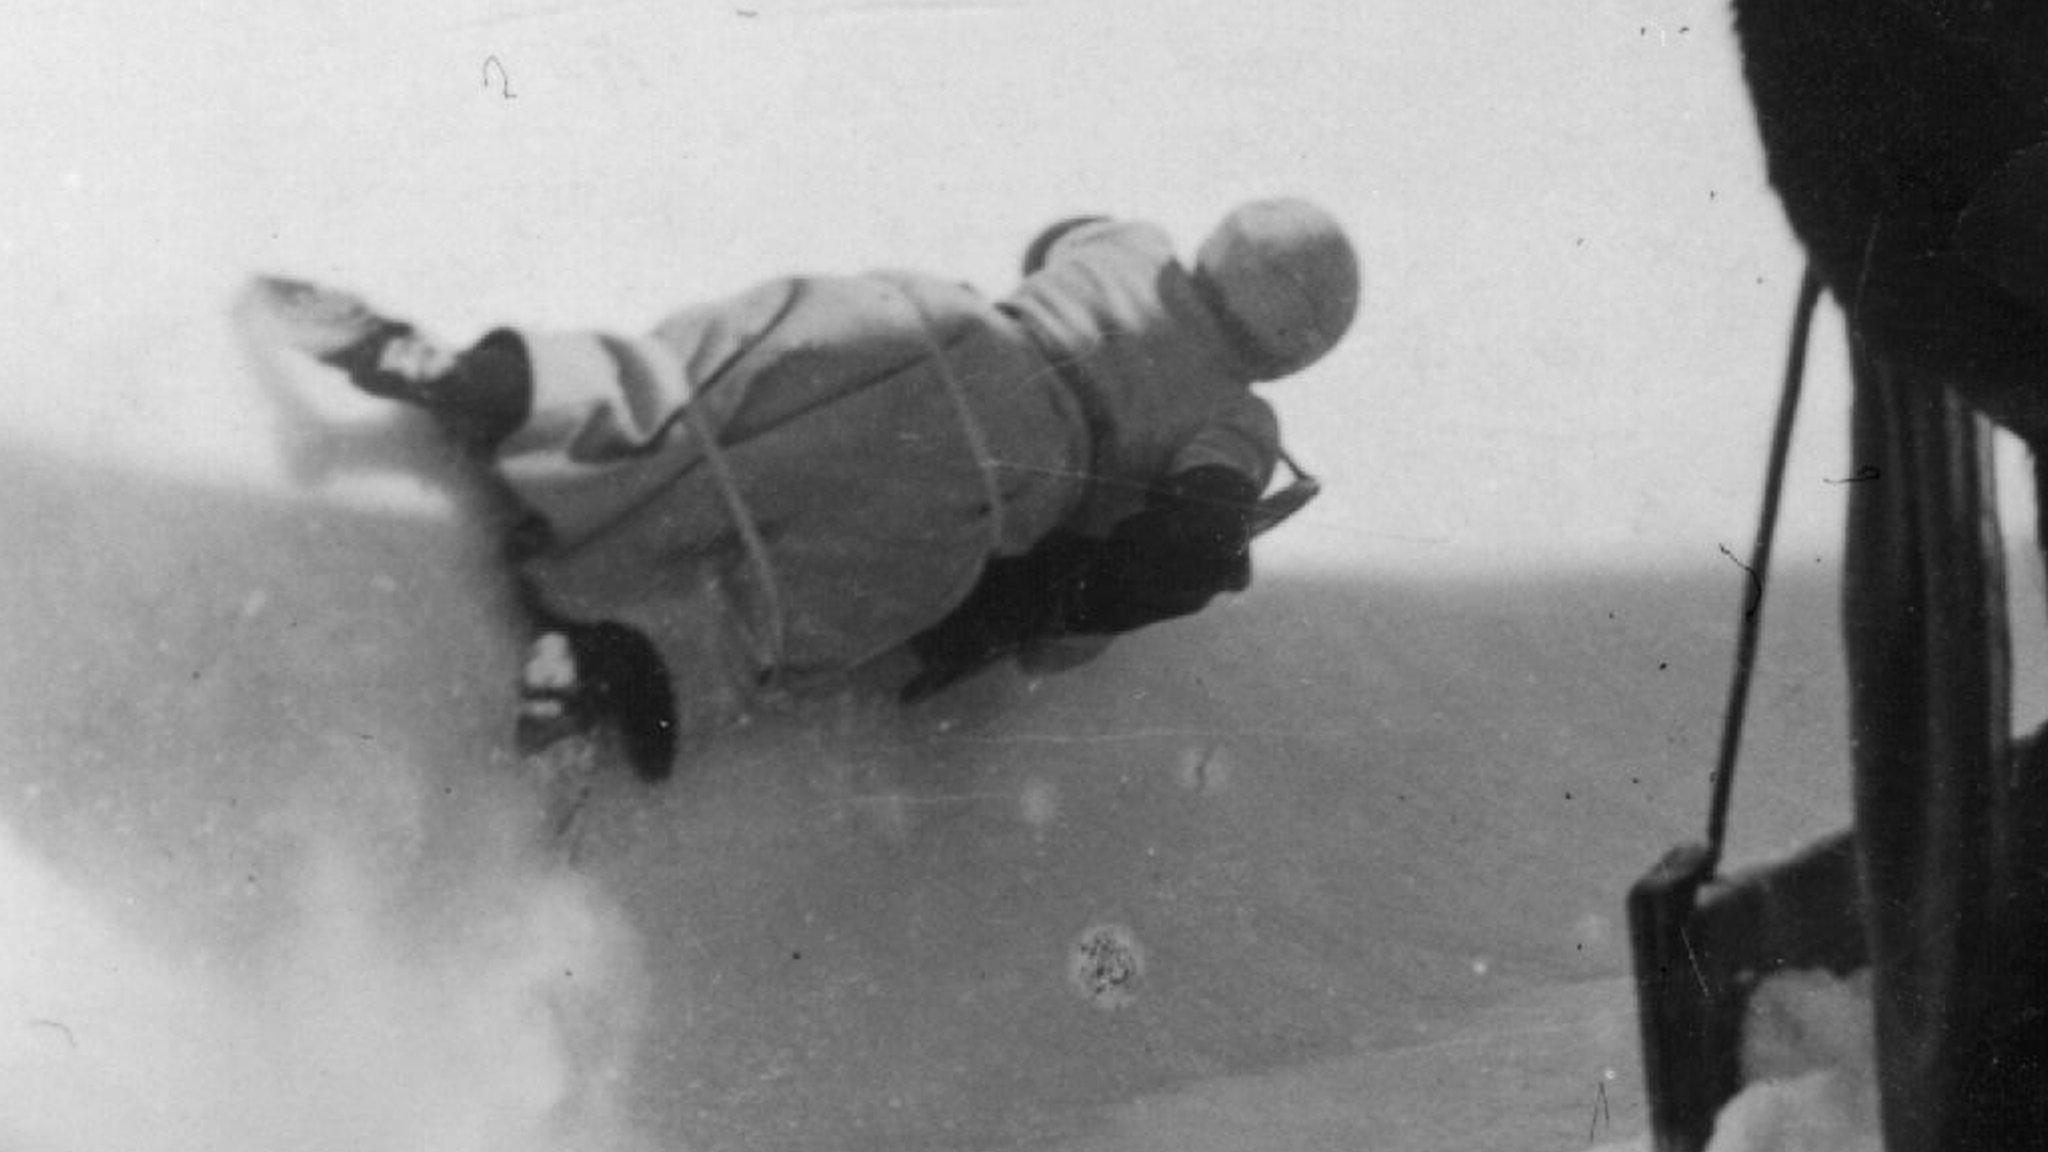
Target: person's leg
[(481, 395), (579, 677)]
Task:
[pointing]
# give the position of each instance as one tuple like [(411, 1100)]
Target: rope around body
[(772, 653)]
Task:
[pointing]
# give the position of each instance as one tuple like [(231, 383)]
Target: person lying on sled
[(775, 488)]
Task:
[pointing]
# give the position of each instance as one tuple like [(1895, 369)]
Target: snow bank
[(1808, 1059), (1810, 1070), (265, 883)]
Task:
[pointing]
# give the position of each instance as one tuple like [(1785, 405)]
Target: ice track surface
[(1336, 865)]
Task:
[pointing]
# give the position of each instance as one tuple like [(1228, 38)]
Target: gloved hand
[(1191, 541), (1017, 600), (1201, 517)]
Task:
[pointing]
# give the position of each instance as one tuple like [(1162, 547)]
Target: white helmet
[(1286, 279)]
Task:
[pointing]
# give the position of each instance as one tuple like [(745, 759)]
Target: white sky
[(1578, 284)]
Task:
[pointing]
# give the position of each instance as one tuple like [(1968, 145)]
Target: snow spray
[(263, 885), (358, 1013)]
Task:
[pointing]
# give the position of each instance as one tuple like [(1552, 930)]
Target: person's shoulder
[(1138, 237)]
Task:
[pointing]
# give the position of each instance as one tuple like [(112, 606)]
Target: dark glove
[(1201, 517), (1017, 600), (1191, 542)]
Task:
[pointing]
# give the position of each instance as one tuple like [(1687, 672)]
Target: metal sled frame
[(1273, 510), (1700, 944)]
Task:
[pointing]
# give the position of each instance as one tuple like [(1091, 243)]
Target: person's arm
[(1017, 600), (1192, 540), (1241, 434), (1190, 543)]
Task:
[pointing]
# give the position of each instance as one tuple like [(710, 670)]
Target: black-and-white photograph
[(1023, 576)]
